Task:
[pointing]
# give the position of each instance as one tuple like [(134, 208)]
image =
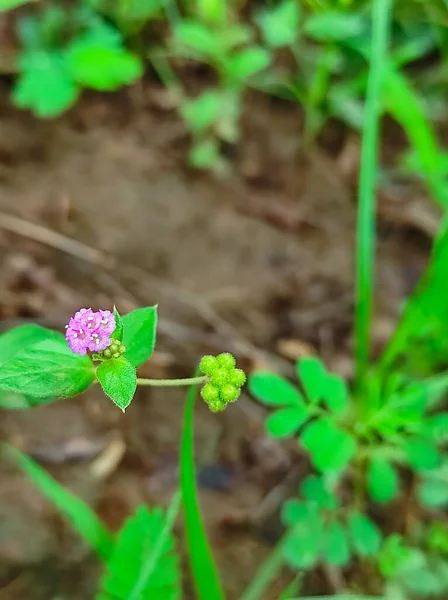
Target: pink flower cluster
[(88, 330)]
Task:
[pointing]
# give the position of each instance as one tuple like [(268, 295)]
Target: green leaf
[(101, 67), (335, 393), (203, 568), (118, 332), (282, 423), (6, 5), (23, 336), (47, 369), (382, 480), (313, 377), (144, 564), (203, 111), (393, 555), (336, 546), (248, 62), (196, 36), (138, 12), (315, 490), (295, 511), (365, 535), (304, 542), (139, 334), (422, 454), (435, 427), (331, 448), (280, 23), (45, 86), (204, 154), (118, 380), (334, 26), (273, 390), (433, 492), (79, 514)]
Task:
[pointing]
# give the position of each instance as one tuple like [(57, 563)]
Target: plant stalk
[(172, 382)]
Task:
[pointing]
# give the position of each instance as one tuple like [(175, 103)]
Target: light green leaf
[(433, 492), (100, 67), (204, 154), (118, 332), (25, 336), (382, 480), (248, 62), (144, 564), (81, 517), (282, 423), (335, 393), (139, 334), (334, 26), (313, 377), (331, 448), (118, 380), (196, 36), (6, 5), (314, 489), (422, 454), (435, 427), (45, 86), (365, 535), (295, 511), (47, 369), (273, 390), (336, 546), (280, 23), (304, 542), (203, 111)]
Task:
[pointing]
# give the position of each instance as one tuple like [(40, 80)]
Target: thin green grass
[(205, 574), (365, 250), (267, 572)]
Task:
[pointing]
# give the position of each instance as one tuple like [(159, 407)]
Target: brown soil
[(259, 263)]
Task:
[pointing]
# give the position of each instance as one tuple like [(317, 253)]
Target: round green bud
[(122, 349), (217, 405), (107, 353), (220, 377), (226, 361), (237, 377), (116, 355), (115, 345), (208, 364), (210, 393), (229, 392)]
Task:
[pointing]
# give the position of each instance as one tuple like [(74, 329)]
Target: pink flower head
[(88, 330)]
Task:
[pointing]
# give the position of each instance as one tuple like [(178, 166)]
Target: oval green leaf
[(139, 334), (118, 380), (336, 546), (365, 535), (284, 422), (273, 390), (382, 481)]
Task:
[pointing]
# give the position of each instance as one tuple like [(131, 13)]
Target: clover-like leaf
[(365, 534), (273, 390), (118, 380), (315, 490), (331, 448), (313, 377), (304, 542), (335, 393), (282, 423), (336, 546)]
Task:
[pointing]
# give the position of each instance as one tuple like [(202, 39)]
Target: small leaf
[(436, 427), (315, 490), (282, 423), (331, 448), (47, 369), (294, 511), (433, 493), (382, 480), (204, 154), (335, 393), (422, 454), (303, 544), (118, 380), (196, 36), (312, 376), (334, 26), (273, 390), (248, 62), (44, 86), (280, 23), (118, 332), (365, 535), (336, 546), (139, 334), (203, 111)]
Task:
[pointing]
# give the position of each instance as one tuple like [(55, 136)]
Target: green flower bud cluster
[(224, 383), (115, 350)]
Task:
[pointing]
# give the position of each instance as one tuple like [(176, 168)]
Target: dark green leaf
[(144, 564), (382, 480), (422, 454), (313, 377), (48, 369), (273, 390), (139, 334), (331, 448), (118, 380), (433, 492), (365, 535), (282, 423), (315, 490), (280, 23), (336, 547)]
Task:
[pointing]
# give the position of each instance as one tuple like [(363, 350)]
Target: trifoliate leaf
[(144, 564), (45, 85), (273, 390), (118, 380), (382, 480), (282, 423), (304, 542), (315, 490), (331, 448), (365, 534)]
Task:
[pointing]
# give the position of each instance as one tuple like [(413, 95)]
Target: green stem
[(265, 574), (172, 382), (366, 201)]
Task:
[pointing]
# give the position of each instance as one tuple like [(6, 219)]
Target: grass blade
[(205, 574), (265, 574), (381, 10), (82, 518)]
